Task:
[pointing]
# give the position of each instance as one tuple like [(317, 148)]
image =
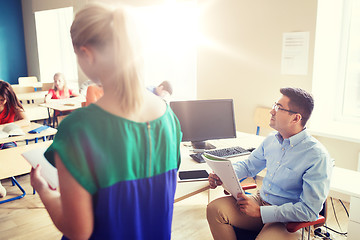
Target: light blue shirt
[(297, 180)]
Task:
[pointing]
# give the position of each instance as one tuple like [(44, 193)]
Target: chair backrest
[(28, 81), (22, 89), (262, 118), (47, 86)]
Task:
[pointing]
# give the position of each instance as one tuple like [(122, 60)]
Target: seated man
[(163, 90), (297, 180)]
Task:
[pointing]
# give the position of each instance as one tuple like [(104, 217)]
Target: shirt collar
[(295, 139)]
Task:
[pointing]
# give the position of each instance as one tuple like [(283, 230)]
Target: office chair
[(294, 226), (290, 227), (261, 118)]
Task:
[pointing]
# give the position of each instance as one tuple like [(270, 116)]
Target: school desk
[(13, 164), (28, 136), (188, 189), (62, 105)]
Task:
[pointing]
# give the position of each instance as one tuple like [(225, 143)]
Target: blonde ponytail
[(101, 27), (130, 87)]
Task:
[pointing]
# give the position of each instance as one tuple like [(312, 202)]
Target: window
[(168, 38), (336, 79), (350, 106), (166, 33), (55, 48)]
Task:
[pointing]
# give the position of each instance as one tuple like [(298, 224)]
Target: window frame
[(330, 69)]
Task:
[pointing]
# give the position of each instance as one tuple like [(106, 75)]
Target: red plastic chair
[(249, 186), (295, 226)]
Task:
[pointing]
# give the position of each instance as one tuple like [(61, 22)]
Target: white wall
[(239, 57), (244, 61)]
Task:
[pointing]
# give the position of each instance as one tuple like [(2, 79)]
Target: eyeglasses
[(276, 107)]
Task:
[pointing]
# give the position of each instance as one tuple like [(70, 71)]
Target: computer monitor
[(203, 120)]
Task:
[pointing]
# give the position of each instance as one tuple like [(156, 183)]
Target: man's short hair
[(300, 101), (167, 86)]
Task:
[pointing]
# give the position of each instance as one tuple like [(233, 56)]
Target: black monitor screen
[(202, 120)]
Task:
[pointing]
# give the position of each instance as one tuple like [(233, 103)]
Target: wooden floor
[(27, 219)]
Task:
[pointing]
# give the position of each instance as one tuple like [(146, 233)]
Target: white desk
[(38, 95), (188, 189), (347, 182), (13, 164), (34, 112), (28, 136), (66, 104), (30, 102), (63, 105)]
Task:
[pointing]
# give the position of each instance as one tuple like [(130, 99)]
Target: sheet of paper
[(295, 53), (224, 170), (10, 129), (48, 171)]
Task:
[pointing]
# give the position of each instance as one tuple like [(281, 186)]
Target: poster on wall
[(295, 53)]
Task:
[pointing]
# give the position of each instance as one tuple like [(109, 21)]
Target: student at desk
[(60, 90), (117, 159), (11, 111), (296, 184), (93, 93)]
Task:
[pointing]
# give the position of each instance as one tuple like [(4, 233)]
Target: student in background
[(297, 180), (93, 93), (11, 111), (163, 90), (60, 89), (83, 87), (117, 159)]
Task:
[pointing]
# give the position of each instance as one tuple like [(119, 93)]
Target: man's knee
[(217, 208), (276, 231), (211, 210)]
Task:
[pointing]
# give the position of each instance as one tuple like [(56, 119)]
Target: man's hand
[(248, 206), (214, 181)]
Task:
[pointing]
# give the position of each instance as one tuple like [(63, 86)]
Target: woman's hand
[(214, 181), (37, 181)]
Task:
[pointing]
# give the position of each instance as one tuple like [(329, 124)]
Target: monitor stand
[(202, 145)]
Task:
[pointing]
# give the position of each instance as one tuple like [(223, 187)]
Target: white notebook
[(224, 169), (11, 129), (48, 171)]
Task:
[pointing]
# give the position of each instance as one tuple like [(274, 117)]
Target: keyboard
[(224, 152)]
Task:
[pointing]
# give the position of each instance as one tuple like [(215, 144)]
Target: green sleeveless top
[(129, 167)]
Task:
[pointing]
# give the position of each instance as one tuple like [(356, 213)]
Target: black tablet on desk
[(193, 175)]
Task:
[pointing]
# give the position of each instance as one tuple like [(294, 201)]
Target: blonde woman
[(117, 159)]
